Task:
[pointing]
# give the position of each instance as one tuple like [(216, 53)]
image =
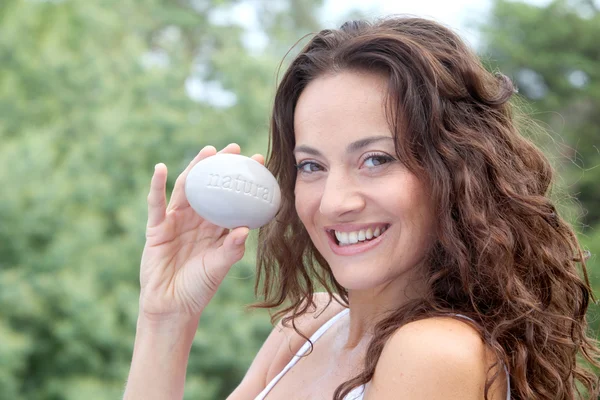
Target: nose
[(341, 195)]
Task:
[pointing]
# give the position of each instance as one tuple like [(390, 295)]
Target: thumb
[(234, 246), (218, 263)]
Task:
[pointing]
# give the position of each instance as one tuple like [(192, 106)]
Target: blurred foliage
[(553, 56), (93, 94)]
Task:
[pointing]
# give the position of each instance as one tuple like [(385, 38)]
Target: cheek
[(304, 202), (424, 221), (416, 206)]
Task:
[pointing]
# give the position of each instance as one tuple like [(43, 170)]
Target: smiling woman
[(408, 195), (350, 184), (395, 125)]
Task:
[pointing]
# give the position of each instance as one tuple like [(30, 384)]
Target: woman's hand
[(185, 258)]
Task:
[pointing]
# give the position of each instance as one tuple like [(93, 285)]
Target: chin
[(353, 278), (370, 275)]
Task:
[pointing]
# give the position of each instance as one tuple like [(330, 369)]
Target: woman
[(410, 196)]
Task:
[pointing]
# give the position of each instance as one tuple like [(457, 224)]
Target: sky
[(457, 14), (460, 15)]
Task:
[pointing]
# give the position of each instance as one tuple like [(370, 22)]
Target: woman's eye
[(376, 160), (308, 167)]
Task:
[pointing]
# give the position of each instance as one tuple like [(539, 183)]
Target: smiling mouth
[(344, 239)]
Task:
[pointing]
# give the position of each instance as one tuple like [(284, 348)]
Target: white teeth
[(342, 237), (361, 235), (352, 237), (347, 238)]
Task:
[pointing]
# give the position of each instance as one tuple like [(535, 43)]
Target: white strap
[(303, 350), (357, 393)]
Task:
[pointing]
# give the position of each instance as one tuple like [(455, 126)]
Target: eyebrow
[(351, 148)]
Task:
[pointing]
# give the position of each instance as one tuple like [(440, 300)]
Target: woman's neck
[(368, 307)]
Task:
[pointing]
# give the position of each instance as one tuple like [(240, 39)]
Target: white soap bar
[(231, 190)]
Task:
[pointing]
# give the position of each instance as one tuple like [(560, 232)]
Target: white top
[(358, 392)]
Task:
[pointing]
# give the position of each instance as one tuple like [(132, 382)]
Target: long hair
[(502, 256)]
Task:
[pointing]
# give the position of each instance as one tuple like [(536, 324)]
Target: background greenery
[(94, 93)]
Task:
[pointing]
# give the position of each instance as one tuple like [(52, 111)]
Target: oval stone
[(232, 190)]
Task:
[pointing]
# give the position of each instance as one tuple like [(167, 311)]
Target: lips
[(348, 238), (354, 239)]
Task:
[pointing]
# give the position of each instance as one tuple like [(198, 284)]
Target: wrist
[(160, 356), (170, 325), (154, 316)]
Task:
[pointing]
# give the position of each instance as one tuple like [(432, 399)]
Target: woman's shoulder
[(440, 336), (436, 357)]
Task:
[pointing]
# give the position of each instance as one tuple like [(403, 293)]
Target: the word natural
[(239, 184)]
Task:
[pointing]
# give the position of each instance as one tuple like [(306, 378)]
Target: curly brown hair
[(503, 255)]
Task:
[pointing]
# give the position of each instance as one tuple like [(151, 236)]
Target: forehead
[(344, 106)]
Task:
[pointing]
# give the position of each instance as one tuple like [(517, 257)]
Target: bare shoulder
[(282, 344), (435, 358)]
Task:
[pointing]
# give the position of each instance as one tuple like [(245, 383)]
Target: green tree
[(551, 53), (92, 95)]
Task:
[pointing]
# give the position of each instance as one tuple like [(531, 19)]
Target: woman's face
[(365, 212)]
